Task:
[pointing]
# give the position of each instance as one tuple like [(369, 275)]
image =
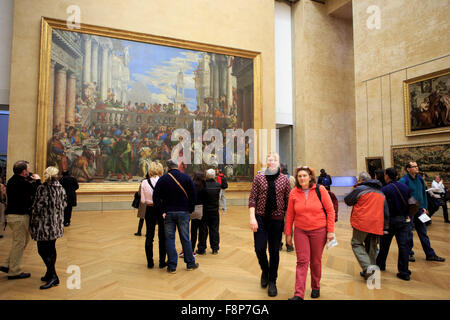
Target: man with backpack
[(417, 187), (324, 179)]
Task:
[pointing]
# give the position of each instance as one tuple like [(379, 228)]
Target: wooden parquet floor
[(113, 265)]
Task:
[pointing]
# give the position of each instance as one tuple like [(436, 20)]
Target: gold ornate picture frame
[(84, 94), (427, 103)]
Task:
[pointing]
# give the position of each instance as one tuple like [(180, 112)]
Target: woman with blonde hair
[(47, 222), (153, 216), (267, 207), (313, 220)]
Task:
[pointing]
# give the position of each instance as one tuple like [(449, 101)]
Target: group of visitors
[(168, 200), (381, 211), (40, 210), (297, 206)]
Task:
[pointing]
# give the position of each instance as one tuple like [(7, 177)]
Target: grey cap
[(171, 164)]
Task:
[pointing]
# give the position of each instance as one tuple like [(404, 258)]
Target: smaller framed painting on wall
[(373, 164)]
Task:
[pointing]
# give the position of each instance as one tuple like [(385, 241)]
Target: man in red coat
[(369, 219)]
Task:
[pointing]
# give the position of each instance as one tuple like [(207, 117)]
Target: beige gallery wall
[(324, 89), (411, 32), (247, 25)]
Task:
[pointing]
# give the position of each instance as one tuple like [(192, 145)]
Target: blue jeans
[(401, 229), (421, 229), (173, 220)]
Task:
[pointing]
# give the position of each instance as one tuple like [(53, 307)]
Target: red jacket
[(307, 213), (370, 211)]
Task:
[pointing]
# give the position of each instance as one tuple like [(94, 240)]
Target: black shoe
[(138, 234), (446, 221), (4, 269), (66, 224), (195, 266), (281, 246), (215, 252), (170, 270), (383, 268), (435, 258), (296, 298), (264, 280), (412, 258), (23, 275), (150, 265), (1, 236), (272, 289), (46, 278), (315, 293), (162, 265), (289, 248), (53, 282), (201, 252), (402, 276)]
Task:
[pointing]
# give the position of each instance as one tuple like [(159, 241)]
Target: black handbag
[(136, 200)]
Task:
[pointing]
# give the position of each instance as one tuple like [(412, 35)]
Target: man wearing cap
[(175, 196)]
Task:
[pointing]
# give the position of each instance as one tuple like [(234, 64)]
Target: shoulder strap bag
[(412, 204), (320, 199), (179, 184)]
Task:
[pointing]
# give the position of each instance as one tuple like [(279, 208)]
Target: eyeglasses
[(414, 166), (303, 167)]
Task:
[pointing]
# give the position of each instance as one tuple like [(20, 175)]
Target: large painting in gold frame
[(427, 103), (82, 93)]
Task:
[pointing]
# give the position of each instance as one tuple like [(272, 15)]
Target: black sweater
[(168, 196), (211, 204), (20, 195)]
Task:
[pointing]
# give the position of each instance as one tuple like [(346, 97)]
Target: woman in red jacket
[(313, 227)]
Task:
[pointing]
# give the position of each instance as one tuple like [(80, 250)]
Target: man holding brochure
[(418, 190)]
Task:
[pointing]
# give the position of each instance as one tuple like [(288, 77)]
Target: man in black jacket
[(210, 220), (175, 196), (20, 191), (70, 184)]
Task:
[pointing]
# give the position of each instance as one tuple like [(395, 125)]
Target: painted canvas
[(432, 159), (114, 104), (427, 104), (373, 164)]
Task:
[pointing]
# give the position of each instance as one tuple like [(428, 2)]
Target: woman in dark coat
[(200, 185), (46, 223), (210, 221), (70, 185)]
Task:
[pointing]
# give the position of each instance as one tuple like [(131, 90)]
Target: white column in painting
[(51, 99), (223, 76), (104, 74), (87, 58), (70, 99), (59, 115), (109, 84), (229, 85), (94, 65), (215, 79), (211, 76)]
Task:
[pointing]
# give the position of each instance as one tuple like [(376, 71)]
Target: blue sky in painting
[(157, 68)]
